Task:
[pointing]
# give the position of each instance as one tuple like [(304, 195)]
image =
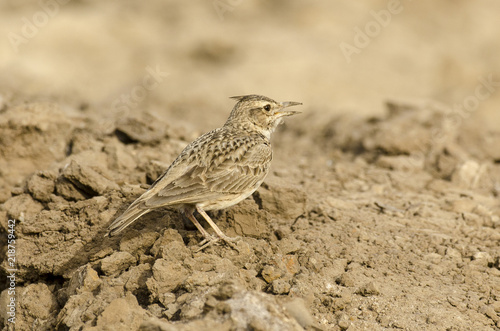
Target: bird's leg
[(214, 226), (206, 235), (209, 239)]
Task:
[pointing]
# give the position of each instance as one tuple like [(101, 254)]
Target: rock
[(87, 180), (282, 232), (84, 279), (284, 200), (280, 266), (106, 251), (215, 271), (147, 129), (170, 245), (280, 286), (34, 135), (37, 254), (98, 210), (85, 140), (347, 279), (78, 309), (342, 302), (117, 262), (338, 267), (291, 263), (155, 309), (369, 289), (68, 191), (35, 306), (289, 245), (245, 308), (314, 263), (198, 279), (343, 321), (135, 279), (22, 207), (171, 309), (167, 276), (47, 220), (192, 308), (249, 221), (271, 273), (119, 157), (123, 313), (137, 243), (41, 185)]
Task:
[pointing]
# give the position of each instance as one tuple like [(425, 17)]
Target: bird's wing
[(235, 171), (207, 168)]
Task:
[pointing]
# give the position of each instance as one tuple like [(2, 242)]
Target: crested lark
[(217, 170)]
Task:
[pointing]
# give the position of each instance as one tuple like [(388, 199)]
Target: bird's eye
[(267, 107)]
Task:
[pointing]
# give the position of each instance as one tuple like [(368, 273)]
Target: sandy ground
[(382, 208)]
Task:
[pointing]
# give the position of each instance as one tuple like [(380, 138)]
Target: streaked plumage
[(217, 170)]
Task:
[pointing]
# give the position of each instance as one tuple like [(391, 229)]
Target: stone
[(286, 201), (87, 180), (117, 262), (167, 276), (369, 289), (123, 313), (41, 185)]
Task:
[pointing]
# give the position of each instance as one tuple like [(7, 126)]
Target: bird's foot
[(210, 240), (232, 242)]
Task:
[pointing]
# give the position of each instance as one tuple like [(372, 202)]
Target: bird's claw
[(212, 240)]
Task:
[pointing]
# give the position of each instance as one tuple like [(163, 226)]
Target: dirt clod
[(117, 262)]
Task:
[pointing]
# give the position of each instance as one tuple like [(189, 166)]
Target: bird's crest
[(251, 97)]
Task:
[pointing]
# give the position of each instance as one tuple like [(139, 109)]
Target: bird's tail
[(128, 217)]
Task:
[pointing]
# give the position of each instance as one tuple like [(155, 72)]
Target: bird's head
[(260, 112)]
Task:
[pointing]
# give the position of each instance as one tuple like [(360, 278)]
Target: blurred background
[(184, 59)]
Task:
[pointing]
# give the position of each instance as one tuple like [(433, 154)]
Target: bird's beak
[(286, 104)]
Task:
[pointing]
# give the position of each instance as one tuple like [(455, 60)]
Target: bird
[(217, 170)]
